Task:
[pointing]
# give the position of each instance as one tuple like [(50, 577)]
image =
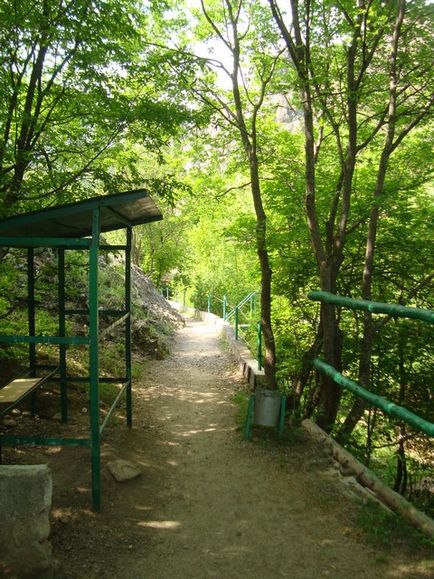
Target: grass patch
[(223, 342), (241, 399), (386, 529)]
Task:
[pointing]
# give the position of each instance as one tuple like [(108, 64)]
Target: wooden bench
[(18, 389)]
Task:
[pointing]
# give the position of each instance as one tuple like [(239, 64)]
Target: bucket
[(267, 407)]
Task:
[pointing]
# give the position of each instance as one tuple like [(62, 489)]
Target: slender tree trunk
[(300, 381), (249, 141), (401, 474), (359, 406), (332, 347), (328, 258), (266, 274)]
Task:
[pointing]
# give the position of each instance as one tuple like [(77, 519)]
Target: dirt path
[(208, 504)]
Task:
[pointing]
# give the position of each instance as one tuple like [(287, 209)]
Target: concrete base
[(25, 502), (248, 365)]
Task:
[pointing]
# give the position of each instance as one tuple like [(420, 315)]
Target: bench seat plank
[(16, 389)]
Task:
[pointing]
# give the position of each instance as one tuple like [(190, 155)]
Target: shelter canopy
[(117, 211)]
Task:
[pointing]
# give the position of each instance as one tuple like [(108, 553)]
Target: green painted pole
[(69, 340), (236, 322), (62, 331), (42, 441), (128, 327), (44, 242), (394, 310), (249, 418), (259, 344), (113, 407), (282, 415), (31, 318), (378, 401), (225, 303), (31, 307), (94, 362)]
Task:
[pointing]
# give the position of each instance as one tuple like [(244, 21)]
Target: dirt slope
[(208, 504)]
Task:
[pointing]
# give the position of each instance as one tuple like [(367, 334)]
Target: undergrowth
[(387, 529), (241, 399)]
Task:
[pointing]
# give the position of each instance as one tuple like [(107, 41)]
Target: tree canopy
[(291, 144)]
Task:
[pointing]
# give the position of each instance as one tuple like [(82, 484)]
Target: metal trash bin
[(267, 407)]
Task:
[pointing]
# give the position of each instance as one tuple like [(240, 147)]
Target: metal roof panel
[(75, 219)]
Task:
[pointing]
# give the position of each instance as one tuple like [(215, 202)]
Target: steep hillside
[(154, 318)]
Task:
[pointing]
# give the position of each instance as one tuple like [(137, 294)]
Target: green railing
[(235, 313), (223, 301), (380, 402)]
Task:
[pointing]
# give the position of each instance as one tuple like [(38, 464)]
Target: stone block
[(25, 502)]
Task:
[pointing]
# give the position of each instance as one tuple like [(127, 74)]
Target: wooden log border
[(367, 478)]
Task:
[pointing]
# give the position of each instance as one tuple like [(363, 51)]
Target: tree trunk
[(301, 379), (368, 327), (249, 141), (332, 347), (266, 275)]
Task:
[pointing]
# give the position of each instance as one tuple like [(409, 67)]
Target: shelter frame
[(78, 226)]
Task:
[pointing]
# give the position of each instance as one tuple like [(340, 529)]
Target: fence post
[(209, 303), (224, 308), (259, 343), (236, 322)]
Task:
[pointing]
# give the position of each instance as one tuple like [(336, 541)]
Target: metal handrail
[(390, 408), (394, 310), (248, 297)]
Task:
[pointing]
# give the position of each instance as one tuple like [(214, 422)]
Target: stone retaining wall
[(248, 365), (25, 502)]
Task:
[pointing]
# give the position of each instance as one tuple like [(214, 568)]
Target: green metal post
[(259, 343), (236, 322), (249, 418), (128, 326), (31, 307), (62, 332), (282, 415), (209, 303), (94, 361), (31, 318), (225, 303)]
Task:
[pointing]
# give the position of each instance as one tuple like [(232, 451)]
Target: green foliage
[(241, 399), (79, 86), (386, 529), (115, 103)]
